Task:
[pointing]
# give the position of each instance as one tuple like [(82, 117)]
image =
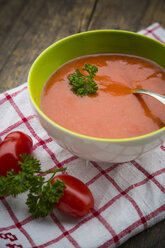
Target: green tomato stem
[(53, 171)]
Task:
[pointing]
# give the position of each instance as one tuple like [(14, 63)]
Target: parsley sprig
[(41, 193), (84, 85)]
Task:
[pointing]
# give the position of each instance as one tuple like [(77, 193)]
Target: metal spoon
[(157, 96)]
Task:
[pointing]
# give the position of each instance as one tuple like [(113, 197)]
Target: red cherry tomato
[(77, 200), (14, 144)]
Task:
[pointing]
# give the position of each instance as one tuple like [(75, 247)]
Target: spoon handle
[(159, 97)]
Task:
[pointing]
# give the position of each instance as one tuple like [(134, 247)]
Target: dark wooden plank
[(19, 16), (151, 238), (155, 12), (8, 16), (130, 15), (118, 14), (36, 27)]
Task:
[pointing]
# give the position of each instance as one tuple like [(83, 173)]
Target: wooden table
[(27, 27)]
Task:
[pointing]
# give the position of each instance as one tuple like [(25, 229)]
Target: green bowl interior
[(92, 42)]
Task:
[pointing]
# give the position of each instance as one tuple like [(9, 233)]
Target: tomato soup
[(113, 112)]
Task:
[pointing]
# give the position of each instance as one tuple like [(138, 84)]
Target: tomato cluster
[(77, 199)]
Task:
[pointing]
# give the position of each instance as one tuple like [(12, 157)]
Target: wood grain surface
[(27, 27)]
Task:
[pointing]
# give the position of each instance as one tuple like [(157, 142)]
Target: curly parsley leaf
[(84, 85), (41, 203), (41, 193), (14, 184)]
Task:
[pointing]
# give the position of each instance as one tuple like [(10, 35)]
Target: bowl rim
[(78, 135)]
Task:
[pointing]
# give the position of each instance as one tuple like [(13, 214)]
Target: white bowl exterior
[(101, 150)]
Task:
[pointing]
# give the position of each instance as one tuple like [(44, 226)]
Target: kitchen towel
[(129, 197)]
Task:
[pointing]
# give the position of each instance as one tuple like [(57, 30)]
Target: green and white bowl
[(94, 42)]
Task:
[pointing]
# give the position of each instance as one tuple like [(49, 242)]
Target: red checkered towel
[(129, 197)]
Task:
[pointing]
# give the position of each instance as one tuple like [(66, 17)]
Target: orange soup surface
[(113, 112)]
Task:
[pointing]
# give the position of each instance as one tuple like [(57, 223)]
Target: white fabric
[(129, 197)]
